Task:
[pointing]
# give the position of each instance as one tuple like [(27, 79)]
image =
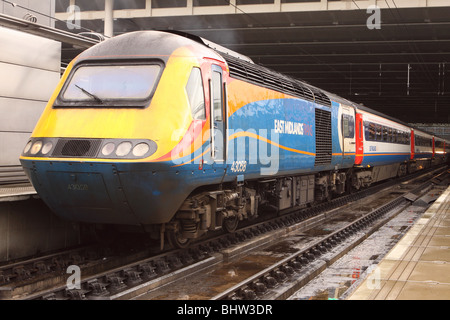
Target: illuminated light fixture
[(123, 149), (36, 147)]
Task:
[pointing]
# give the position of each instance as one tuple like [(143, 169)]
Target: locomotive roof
[(138, 44)]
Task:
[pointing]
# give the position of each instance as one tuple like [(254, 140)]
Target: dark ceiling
[(402, 69)]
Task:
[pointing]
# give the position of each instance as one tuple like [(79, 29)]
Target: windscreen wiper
[(93, 96)]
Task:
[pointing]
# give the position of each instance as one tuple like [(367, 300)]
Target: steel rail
[(260, 285)]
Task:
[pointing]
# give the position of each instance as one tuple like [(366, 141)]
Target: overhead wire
[(413, 47), (319, 61)]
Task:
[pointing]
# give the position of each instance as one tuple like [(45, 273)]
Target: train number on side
[(239, 166)]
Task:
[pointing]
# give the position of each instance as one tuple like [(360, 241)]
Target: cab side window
[(195, 93)]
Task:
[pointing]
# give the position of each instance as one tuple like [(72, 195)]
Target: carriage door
[(359, 139), (218, 133), (348, 133)]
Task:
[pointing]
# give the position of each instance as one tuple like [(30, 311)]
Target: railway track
[(280, 280), (137, 275)]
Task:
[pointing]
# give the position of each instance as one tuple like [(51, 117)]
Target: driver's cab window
[(195, 93), (217, 95)]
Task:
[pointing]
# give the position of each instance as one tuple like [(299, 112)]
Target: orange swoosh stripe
[(255, 136)]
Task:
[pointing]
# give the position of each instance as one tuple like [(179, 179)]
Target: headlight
[(123, 149), (108, 149), (47, 147), (36, 147), (27, 147), (140, 149)]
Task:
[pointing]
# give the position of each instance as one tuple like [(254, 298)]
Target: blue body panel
[(117, 193), (279, 139), (374, 159), (288, 126)]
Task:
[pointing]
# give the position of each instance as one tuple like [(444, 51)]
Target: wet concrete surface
[(339, 280), (229, 272)]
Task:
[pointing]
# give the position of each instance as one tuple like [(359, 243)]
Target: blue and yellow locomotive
[(172, 134)]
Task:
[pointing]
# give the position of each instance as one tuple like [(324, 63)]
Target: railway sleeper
[(303, 259), (161, 266), (59, 264), (76, 294), (247, 294), (133, 277), (322, 248), (310, 256), (279, 275), (316, 252), (199, 253), (269, 281), (22, 272), (97, 288), (259, 287), (328, 244), (116, 282), (186, 258), (174, 262), (216, 245), (296, 265), (225, 242), (147, 271), (287, 270), (41, 267)]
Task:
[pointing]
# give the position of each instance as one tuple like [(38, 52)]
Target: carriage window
[(372, 134), (194, 90), (378, 131), (385, 134)]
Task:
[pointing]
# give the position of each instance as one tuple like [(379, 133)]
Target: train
[(169, 134)]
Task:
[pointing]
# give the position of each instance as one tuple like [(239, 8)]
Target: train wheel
[(177, 240), (230, 224)]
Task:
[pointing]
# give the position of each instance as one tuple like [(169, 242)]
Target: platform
[(418, 267), (16, 192)]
